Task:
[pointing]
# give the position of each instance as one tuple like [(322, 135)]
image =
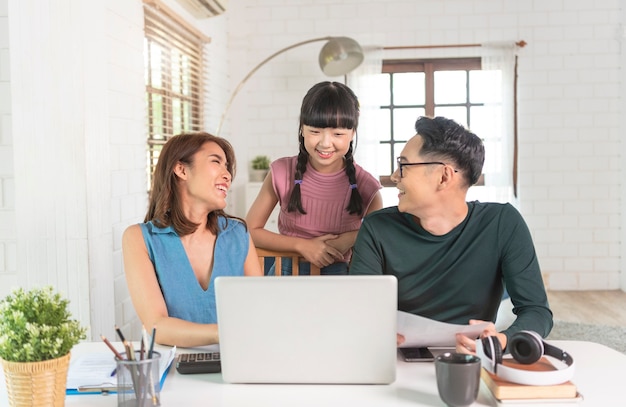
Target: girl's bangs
[(329, 114)]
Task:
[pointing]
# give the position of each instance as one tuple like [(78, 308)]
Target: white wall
[(621, 34), (570, 109), (72, 147), (8, 245), (76, 132), (72, 135)]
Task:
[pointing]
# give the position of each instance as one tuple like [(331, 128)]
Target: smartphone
[(417, 354)]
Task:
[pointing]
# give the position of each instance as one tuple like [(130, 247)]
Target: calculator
[(203, 362)]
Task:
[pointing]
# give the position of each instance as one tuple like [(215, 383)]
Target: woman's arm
[(148, 300)]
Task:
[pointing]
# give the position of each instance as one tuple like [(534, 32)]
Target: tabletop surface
[(599, 378)]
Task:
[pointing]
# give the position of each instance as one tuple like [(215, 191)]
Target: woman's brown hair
[(164, 208)]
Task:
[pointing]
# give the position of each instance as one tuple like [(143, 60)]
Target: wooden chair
[(295, 261)]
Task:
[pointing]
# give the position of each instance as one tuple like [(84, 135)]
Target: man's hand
[(468, 345), (400, 339)]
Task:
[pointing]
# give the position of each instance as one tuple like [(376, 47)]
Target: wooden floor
[(599, 307)]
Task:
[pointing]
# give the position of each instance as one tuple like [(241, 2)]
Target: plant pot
[(36, 383), (258, 175)]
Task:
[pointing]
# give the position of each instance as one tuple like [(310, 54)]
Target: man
[(452, 258)]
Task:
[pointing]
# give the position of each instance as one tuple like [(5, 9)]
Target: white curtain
[(499, 111), (364, 81), (499, 174)]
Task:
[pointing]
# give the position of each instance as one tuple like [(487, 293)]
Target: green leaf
[(36, 325)]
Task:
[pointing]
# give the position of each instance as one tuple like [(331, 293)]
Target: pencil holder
[(138, 381)]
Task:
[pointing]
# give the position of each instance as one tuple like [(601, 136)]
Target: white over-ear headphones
[(526, 347)]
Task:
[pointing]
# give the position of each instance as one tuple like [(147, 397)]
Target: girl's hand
[(318, 252)]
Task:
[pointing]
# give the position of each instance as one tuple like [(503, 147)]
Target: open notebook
[(95, 372), (307, 329)]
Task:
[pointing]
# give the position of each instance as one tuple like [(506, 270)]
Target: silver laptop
[(307, 329)]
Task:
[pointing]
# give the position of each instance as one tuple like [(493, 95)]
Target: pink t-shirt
[(324, 198)]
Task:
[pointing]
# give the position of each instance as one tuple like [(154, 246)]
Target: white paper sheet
[(422, 332)]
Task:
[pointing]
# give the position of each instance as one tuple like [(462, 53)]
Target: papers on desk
[(423, 332), (95, 372)]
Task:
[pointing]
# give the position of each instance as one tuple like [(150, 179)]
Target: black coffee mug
[(458, 378)]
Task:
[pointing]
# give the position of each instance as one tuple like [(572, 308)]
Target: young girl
[(186, 241), (323, 194)]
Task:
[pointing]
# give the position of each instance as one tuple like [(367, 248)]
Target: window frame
[(428, 67)]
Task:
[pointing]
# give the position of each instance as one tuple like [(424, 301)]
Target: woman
[(186, 241)]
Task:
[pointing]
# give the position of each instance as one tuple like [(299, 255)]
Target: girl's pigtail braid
[(355, 206), (295, 201)]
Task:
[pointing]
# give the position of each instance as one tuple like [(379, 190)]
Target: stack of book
[(507, 393)]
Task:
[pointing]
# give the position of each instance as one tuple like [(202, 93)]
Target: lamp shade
[(340, 55)]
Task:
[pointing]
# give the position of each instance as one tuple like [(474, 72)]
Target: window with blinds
[(174, 74)]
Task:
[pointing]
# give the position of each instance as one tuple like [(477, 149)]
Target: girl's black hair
[(328, 104)]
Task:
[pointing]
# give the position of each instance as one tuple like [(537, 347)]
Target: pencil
[(130, 352), (106, 341), (152, 342), (155, 401), (142, 348), (144, 341), (119, 333)]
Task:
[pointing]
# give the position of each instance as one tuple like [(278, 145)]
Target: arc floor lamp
[(339, 56)]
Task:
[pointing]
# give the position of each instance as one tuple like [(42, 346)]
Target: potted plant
[(36, 336), (260, 167)]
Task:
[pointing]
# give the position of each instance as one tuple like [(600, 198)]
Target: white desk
[(599, 377)]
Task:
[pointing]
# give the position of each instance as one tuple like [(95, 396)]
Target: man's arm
[(523, 279)]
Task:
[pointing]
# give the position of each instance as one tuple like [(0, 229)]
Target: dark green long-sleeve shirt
[(458, 276)]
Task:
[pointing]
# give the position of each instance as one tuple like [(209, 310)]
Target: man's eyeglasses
[(403, 164)]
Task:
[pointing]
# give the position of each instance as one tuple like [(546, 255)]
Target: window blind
[(175, 75)]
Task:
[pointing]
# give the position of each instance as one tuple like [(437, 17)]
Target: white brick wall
[(570, 108), (8, 270), (127, 142), (112, 118)]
